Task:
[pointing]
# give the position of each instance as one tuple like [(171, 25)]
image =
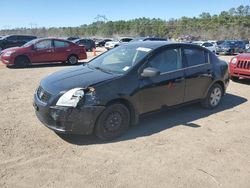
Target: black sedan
[(109, 93), (89, 44), (101, 43)]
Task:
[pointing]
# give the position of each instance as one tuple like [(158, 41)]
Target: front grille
[(243, 64), (43, 95)]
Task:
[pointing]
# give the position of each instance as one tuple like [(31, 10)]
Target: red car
[(42, 51), (239, 66)]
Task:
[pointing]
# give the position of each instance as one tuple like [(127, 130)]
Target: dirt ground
[(185, 147)]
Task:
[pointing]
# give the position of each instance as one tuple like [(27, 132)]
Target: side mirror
[(150, 72)]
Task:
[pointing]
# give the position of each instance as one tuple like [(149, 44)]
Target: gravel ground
[(185, 147)]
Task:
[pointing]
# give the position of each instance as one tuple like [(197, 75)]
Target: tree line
[(231, 24)]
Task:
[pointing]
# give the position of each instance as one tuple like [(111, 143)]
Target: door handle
[(178, 80)]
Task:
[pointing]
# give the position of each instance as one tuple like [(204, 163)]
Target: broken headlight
[(71, 97)]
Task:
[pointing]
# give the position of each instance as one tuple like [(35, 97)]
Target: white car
[(117, 42), (207, 45)]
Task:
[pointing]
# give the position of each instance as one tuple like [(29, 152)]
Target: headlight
[(71, 97), (234, 60), (8, 53)]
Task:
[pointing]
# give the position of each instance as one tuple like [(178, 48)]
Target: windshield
[(120, 60), (30, 43)]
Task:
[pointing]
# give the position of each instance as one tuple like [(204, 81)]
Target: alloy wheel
[(72, 60), (215, 96)]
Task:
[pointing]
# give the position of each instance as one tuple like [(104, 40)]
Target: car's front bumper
[(7, 60), (237, 71), (80, 120)]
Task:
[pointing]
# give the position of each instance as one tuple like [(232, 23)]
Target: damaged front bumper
[(79, 120)]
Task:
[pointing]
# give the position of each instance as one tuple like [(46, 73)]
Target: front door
[(167, 89), (43, 52)]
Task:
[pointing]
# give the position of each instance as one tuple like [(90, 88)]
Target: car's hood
[(10, 49), (79, 76)]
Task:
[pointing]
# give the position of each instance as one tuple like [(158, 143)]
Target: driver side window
[(167, 60)]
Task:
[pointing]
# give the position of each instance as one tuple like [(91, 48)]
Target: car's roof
[(155, 44)]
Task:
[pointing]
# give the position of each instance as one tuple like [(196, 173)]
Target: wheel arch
[(24, 56), (134, 115), (220, 82), (73, 54)]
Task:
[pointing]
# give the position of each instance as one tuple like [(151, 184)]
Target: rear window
[(60, 44), (195, 57)]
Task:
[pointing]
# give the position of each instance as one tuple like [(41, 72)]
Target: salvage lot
[(185, 147)]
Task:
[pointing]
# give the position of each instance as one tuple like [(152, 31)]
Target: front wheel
[(72, 60), (21, 62), (113, 122), (213, 97)]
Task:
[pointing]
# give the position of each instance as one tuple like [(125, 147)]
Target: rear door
[(61, 50), (21, 40), (11, 41), (198, 73), (167, 89), (43, 51)]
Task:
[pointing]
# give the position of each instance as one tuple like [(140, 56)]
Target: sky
[(63, 13)]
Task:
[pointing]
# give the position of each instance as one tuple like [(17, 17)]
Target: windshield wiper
[(103, 70)]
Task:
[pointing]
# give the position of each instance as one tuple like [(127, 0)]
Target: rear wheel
[(113, 122), (21, 62), (72, 60), (213, 97)]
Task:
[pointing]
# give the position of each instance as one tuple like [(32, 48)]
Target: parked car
[(207, 45), (72, 38), (117, 42), (43, 51), (102, 42), (89, 44), (239, 66), (231, 47), (14, 40), (109, 93), (247, 44), (148, 39)]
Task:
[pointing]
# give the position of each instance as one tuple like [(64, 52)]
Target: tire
[(213, 97), (113, 122), (21, 62), (234, 78), (72, 60)]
